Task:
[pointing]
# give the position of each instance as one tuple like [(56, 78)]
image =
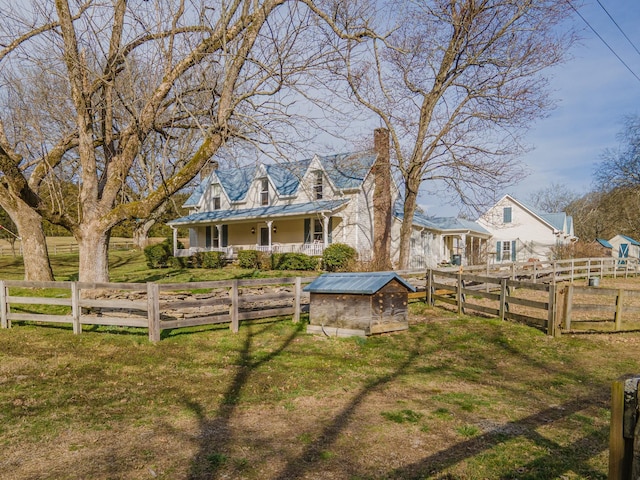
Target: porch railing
[(313, 249)]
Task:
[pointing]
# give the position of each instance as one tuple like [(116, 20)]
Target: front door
[(264, 236)]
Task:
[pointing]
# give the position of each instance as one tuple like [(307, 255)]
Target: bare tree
[(554, 198), (620, 167), (124, 73), (456, 83)]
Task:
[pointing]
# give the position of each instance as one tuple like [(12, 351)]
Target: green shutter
[(498, 251), (330, 229), (513, 251), (506, 215), (307, 230)]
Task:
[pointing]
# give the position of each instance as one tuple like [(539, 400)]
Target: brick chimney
[(209, 167), (382, 201)]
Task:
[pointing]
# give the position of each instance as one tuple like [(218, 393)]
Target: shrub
[(249, 259), (294, 261), (338, 256), (160, 254), (213, 259)]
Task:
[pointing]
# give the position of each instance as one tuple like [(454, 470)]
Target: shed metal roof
[(355, 283), (630, 240), (604, 243)]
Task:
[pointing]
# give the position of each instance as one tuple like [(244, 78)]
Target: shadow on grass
[(216, 433), (558, 461)]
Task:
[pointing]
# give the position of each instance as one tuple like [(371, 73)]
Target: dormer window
[(215, 196), (317, 185), (264, 192)]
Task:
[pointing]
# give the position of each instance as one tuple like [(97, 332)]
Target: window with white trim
[(317, 231), (506, 251), (215, 196), (317, 186), (264, 192)]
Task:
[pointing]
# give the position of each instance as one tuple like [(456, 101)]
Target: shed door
[(624, 250)]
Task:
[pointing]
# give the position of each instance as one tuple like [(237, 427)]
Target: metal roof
[(443, 224), (630, 240), (259, 212), (604, 243), (355, 283), (346, 171)]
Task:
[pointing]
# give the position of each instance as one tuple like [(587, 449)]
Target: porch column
[(463, 253), (269, 224), (219, 228), (325, 231), (175, 240)]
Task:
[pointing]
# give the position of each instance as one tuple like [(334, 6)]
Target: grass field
[(452, 398)]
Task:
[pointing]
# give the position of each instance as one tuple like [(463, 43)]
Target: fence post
[(568, 304), (4, 322), (552, 316), (459, 294), (233, 308), (618, 315), (430, 301), (296, 301), (503, 297), (624, 392), (153, 311), (75, 308)]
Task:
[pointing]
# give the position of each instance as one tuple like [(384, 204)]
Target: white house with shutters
[(304, 206), (521, 233)]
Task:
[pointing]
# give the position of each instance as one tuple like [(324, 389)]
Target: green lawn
[(452, 398)]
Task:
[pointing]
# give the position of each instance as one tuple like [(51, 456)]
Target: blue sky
[(594, 91)]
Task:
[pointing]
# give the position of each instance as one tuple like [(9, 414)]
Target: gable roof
[(355, 283), (630, 240), (557, 220), (346, 171)]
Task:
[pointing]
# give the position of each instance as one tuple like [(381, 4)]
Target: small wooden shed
[(358, 304)]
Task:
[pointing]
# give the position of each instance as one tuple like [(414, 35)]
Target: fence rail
[(156, 307), (557, 270), (534, 304), (54, 249)]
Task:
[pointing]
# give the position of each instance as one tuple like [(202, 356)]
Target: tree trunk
[(407, 228), (37, 267), (382, 202), (93, 243), (141, 233)]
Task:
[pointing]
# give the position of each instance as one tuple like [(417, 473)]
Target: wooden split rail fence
[(154, 306), (531, 303), (553, 308)]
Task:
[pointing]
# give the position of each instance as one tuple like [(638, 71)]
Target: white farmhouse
[(521, 233), (305, 206)]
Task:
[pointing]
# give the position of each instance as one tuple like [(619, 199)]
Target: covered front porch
[(268, 229)]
